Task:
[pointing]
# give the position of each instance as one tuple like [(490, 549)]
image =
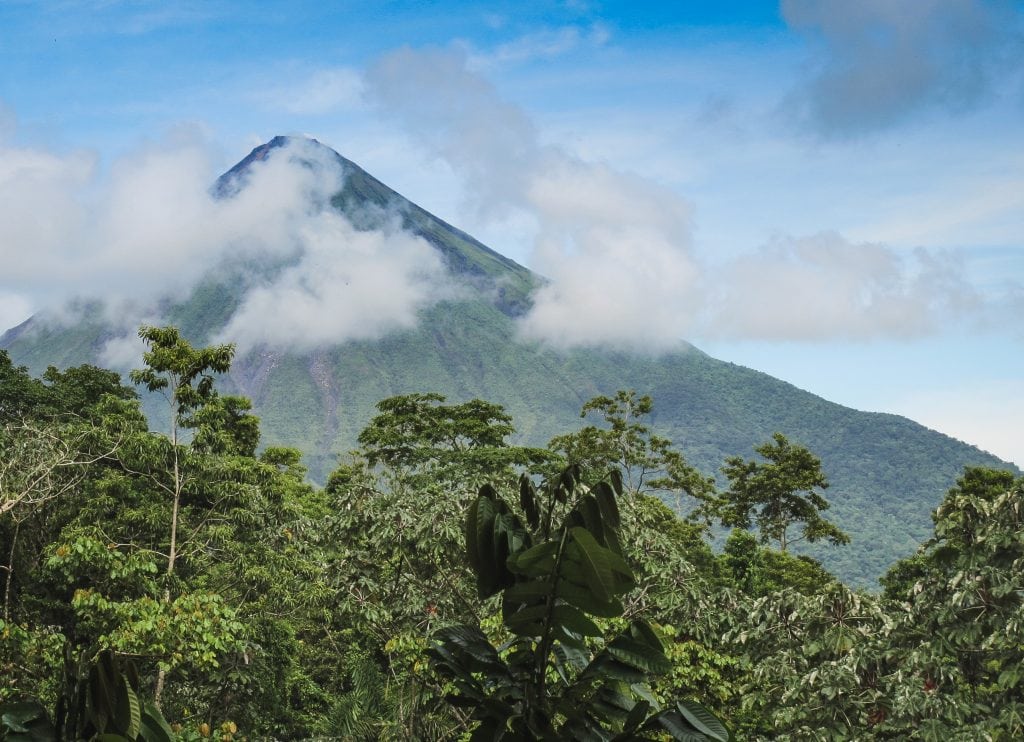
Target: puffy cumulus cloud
[(152, 227), (347, 284), (616, 250), (615, 246), (876, 62), (824, 287)]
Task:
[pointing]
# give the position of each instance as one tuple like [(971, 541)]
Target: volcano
[(887, 472)]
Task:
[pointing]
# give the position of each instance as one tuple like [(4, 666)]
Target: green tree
[(649, 462), (959, 609), (778, 494), (418, 440), (185, 375), (757, 570), (395, 506)]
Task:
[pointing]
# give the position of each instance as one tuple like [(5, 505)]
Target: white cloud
[(346, 285), (877, 62), (824, 287), (616, 246), (152, 228), (124, 351), (618, 249), (461, 118)]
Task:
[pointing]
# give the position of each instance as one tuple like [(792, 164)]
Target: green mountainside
[(887, 472)]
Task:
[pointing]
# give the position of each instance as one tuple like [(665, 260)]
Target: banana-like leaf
[(574, 620), (127, 713), (154, 726), (470, 530), (528, 621), (471, 645), (615, 477), (608, 666), (100, 694), (580, 596), (639, 656), (480, 544), (592, 518), (689, 722), (528, 501), (25, 721), (527, 592), (510, 537), (605, 497), (637, 716)]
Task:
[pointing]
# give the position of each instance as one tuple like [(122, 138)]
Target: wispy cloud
[(616, 246), (618, 249), (315, 93), (823, 287), (542, 44), (876, 63)]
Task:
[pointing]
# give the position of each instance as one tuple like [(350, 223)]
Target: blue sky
[(831, 192)]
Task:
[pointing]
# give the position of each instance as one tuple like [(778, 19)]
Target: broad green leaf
[(537, 561), (575, 621), (154, 726), (482, 528), (616, 480), (528, 621), (704, 721), (526, 592), (606, 574), (580, 596), (637, 716), (639, 655)]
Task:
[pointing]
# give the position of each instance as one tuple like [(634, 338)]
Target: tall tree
[(779, 494), (650, 464), (185, 376)]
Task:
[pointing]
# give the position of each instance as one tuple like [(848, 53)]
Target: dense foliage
[(446, 584)]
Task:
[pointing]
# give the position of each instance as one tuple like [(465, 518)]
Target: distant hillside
[(887, 472)]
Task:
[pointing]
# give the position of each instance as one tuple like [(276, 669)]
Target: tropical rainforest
[(445, 584)]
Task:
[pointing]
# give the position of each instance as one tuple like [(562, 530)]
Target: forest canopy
[(446, 584)]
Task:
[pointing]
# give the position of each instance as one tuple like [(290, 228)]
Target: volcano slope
[(887, 472)]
